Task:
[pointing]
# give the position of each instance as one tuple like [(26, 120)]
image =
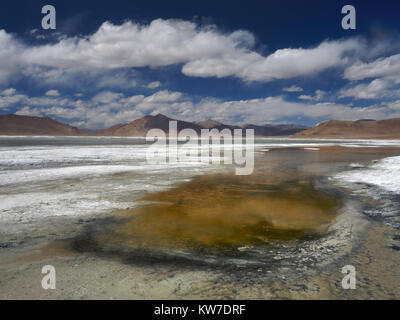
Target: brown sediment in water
[(225, 210), (279, 201)]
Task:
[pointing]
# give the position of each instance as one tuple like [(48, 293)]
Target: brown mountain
[(269, 130), (266, 130), (12, 124), (274, 130), (360, 129), (209, 124), (213, 124), (110, 131), (139, 127)]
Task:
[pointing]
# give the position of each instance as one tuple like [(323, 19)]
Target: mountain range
[(359, 129), (27, 125), (332, 129)]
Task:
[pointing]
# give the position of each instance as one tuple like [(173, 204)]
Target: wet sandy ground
[(93, 277), (300, 257)]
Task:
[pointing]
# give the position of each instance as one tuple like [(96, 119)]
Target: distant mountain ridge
[(27, 125), (359, 129), (269, 130), (12, 124), (139, 127)]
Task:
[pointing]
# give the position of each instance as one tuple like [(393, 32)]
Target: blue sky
[(259, 62)]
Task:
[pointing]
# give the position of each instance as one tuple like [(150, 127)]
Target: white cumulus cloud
[(202, 52), (154, 84), (377, 88), (52, 93), (382, 67), (293, 88), (319, 95)]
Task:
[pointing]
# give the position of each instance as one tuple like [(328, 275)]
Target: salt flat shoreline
[(80, 276)]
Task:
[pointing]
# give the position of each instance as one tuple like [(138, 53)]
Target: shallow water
[(292, 216), (285, 207), (227, 211)]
